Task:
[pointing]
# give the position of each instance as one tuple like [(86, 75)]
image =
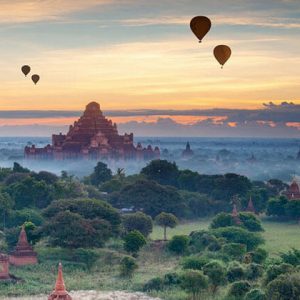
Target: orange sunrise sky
[(142, 54)]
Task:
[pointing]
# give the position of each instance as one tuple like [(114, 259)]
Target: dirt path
[(93, 295)]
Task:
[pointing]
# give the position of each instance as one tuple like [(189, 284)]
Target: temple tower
[(250, 207), (235, 215), (23, 253), (60, 292)]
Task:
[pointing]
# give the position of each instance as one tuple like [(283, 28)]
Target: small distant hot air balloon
[(200, 26), (222, 54), (25, 69), (35, 78)]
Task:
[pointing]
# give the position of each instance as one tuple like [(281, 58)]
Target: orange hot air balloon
[(35, 78), (222, 54), (200, 26), (26, 70)]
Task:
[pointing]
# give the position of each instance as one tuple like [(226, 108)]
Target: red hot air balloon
[(200, 26), (35, 78), (222, 54), (25, 70)]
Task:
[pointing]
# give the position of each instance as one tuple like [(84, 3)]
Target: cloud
[(272, 22), (23, 11)]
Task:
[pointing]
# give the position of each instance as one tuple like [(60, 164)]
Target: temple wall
[(22, 260)]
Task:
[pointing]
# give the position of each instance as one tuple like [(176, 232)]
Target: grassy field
[(279, 236), (153, 262)]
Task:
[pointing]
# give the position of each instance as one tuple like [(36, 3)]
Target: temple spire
[(250, 207), (60, 291), (235, 215)]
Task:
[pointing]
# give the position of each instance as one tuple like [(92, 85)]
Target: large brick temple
[(92, 136)]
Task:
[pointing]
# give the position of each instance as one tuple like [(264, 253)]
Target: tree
[(216, 273), (138, 221), (127, 266), (71, 230), (239, 235), (88, 209), (162, 171), (149, 197), (166, 220), (6, 204), (255, 294), (284, 287), (292, 209), (239, 288), (178, 244), (276, 206), (134, 241), (194, 282), (101, 174), (274, 271), (17, 168)]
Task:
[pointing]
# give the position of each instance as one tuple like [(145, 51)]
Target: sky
[(140, 55)]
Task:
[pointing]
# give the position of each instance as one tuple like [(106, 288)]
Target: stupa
[(293, 192), (235, 215), (93, 136), (60, 292), (23, 253), (188, 152), (4, 267), (250, 207)]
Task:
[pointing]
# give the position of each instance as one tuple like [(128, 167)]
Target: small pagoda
[(4, 267), (23, 253), (293, 192), (60, 292), (250, 207), (235, 215)]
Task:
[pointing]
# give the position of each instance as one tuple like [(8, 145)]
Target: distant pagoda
[(4, 267), (250, 207), (23, 253), (93, 136), (235, 215), (293, 192), (188, 152)]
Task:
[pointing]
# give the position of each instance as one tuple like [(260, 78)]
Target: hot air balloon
[(222, 54), (200, 26), (35, 78), (25, 69)]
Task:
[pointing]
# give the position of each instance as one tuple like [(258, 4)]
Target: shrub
[(138, 221), (216, 273), (259, 255), (178, 244), (250, 222), (284, 287), (255, 294), (71, 230), (239, 235), (234, 250), (239, 289), (254, 271), (222, 220), (235, 272), (291, 257), (194, 262), (154, 284), (194, 282), (200, 240), (19, 217), (133, 241), (172, 279), (127, 266), (275, 270)]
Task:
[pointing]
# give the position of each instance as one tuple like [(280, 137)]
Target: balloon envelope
[(25, 69), (222, 54), (35, 78), (200, 26)]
